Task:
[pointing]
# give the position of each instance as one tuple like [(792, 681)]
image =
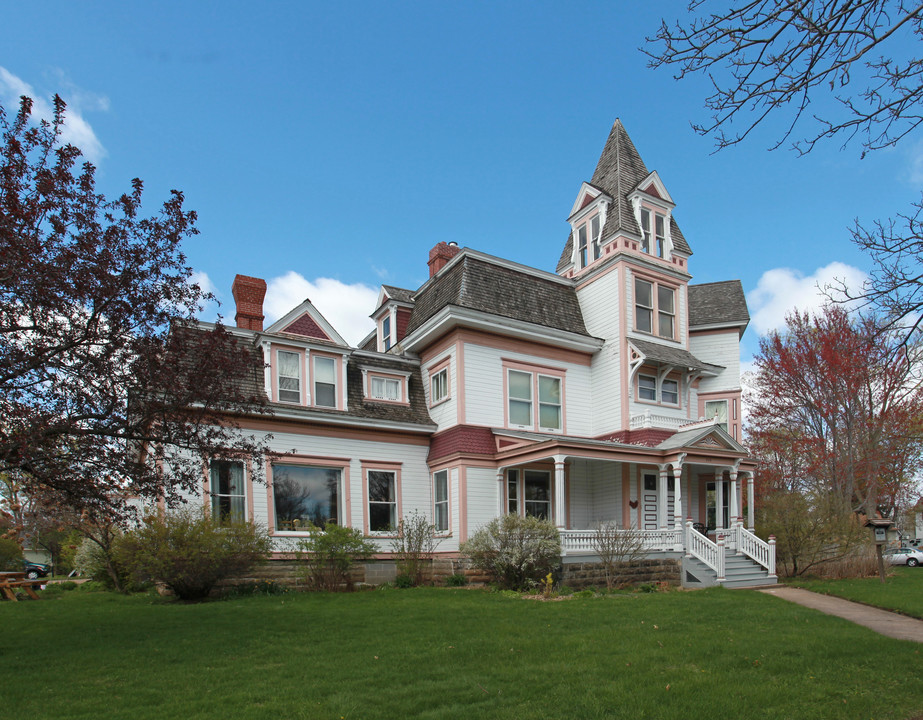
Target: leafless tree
[(617, 549)]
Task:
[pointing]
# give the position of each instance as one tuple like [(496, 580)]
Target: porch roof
[(667, 355), (691, 438)]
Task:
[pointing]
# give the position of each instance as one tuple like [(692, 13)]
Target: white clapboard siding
[(445, 414), (599, 303), (720, 349)]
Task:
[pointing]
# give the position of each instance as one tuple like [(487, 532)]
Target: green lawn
[(448, 654), (902, 591)]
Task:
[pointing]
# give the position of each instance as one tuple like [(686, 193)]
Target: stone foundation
[(593, 574)]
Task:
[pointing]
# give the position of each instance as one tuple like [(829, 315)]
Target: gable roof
[(398, 294), (306, 320), (718, 303), (477, 284), (695, 436), (620, 171), (669, 355)]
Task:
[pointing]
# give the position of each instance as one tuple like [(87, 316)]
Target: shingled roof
[(668, 355), (398, 294), (619, 171), (478, 284), (718, 303)]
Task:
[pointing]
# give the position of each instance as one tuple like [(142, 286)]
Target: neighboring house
[(608, 391)]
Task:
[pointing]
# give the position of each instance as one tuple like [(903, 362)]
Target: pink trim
[(625, 352), (382, 466), (448, 489), (337, 374), (535, 370), (278, 426)]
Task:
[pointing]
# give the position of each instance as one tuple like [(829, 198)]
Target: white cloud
[(346, 307), (203, 281), (782, 290), (76, 131)]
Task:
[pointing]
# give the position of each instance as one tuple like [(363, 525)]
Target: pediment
[(308, 327), (306, 321), (653, 187), (587, 196)]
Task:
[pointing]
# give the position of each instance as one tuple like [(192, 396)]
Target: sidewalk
[(881, 621)]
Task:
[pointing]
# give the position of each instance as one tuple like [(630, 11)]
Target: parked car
[(904, 556), (36, 570)]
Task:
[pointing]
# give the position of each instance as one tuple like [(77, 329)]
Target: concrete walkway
[(881, 621)]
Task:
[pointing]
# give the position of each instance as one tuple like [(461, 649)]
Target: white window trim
[(654, 308), (213, 494), (336, 380), (447, 530), (301, 384), (433, 400), (535, 401)]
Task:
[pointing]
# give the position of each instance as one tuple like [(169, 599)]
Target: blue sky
[(328, 147)]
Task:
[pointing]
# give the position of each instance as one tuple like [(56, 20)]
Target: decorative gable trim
[(297, 314), (653, 187), (586, 197), (307, 326)]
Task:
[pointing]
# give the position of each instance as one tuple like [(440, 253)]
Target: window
[(386, 332), (711, 504), (647, 387), (669, 392), (718, 409), (512, 492), (659, 239), (227, 490), (520, 395), (441, 501), (645, 231), (289, 372), (665, 312), (439, 386), (537, 493), (522, 387), (325, 381), (386, 388), (644, 308), (581, 245), (305, 496), (382, 500), (648, 390), (594, 232)]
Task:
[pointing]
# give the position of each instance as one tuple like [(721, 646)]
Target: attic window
[(588, 248), (386, 332), (657, 242)]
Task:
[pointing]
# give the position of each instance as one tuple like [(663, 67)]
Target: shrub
[(617, 549), (261, 587), (403, 580), (93, 561), (189, 550), (456, 580), (515, 551), (328, 556), (413, 546), (10, 555)]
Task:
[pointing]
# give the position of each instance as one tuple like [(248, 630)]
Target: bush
[(515, 551), (10, 555), (456, 580), (92, 562), (189, 550), (618, 550), (328, 556), (413, 546), (403, 580)]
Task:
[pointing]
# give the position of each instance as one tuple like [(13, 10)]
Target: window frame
[(582, 253), (440, 369), (535, 400), (299, 361), (647, 309), (437, 503), (654, 311), (655, 386), (548, 502), (726, 425), (512, 491), (341, 498), (663, 392), (386, 332), (315, 357), (215, 497), (395, 504), (517, 502)]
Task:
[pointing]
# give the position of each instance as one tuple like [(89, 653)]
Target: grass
[(902, 591), (448, 654)]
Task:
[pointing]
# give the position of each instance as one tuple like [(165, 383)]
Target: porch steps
[(739, 572)]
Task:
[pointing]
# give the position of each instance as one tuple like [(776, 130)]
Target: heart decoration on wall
[(633, 503)]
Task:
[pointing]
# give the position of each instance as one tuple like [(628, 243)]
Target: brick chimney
[(440, 255), (248, 294)]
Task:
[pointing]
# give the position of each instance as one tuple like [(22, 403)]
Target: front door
[(650, 500)]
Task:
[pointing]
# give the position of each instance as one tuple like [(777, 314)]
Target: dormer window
[(657, 242), (386, 332), (325, 381), (289, 376), (383, 388)]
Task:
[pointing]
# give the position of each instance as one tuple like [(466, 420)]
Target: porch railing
[(704, 550), (759, 550), (663, 539)]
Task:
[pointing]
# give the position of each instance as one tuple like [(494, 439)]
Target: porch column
[(677, 496), (501, 490), (719, 499), (560, 512), (732, 514), (751, 504), (662, 510), (678, 505)]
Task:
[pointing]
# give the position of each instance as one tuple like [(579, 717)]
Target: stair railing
[(756, 549), (705, 551)]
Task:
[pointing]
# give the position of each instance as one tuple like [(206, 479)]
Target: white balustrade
[(758, 550), (704, 550)]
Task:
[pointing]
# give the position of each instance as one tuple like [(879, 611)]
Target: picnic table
[(10, 582)]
